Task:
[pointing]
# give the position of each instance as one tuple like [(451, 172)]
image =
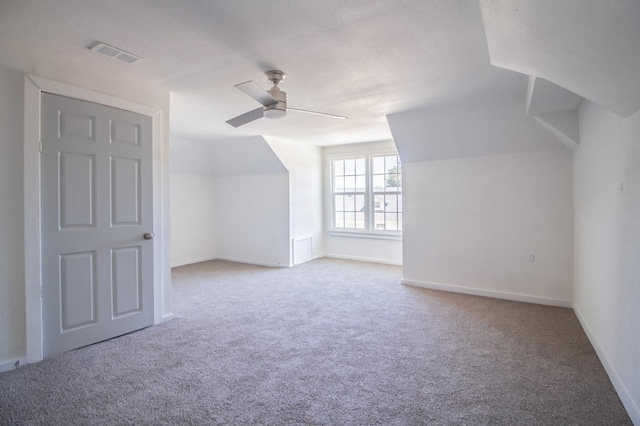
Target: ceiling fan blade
[(247, 117), (341, 117), (256, 92)]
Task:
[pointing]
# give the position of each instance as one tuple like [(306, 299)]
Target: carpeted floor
[(327, 342)]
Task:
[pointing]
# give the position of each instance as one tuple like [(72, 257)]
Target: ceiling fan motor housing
[(279, 109)]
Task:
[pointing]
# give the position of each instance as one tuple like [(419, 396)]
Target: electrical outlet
[(531, 256)]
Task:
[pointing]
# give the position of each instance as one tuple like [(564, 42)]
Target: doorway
[(35, 86)]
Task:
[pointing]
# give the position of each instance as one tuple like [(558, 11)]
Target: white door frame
[(33, 86)]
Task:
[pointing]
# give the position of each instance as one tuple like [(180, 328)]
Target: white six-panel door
[(97, 266)]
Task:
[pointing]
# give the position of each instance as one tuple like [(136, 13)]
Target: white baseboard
[(12, 364), (627, 400), (365, 259), (517, 297), (230, 259), (191, 261), (252, 262)]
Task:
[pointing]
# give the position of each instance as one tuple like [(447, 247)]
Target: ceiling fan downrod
[(279, 109)]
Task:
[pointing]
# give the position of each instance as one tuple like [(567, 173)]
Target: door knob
[(148, 235)]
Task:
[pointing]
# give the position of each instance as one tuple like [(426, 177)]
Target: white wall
[(304, 163), (470, 224), (252, 218), (193, 222), (12, 290), (254, 188), (381, 250), (607, 244), (365, 249)]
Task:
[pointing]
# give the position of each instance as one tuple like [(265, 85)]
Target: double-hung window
[(366, 195)]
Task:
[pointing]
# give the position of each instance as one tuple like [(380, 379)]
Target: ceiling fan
[(274, 101)]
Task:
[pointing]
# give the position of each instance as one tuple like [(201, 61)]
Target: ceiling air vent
[(115, 53)]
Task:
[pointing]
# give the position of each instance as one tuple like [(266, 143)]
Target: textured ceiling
[(362, 58), (590, 47)]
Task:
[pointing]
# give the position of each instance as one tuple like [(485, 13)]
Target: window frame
[(369, 230)]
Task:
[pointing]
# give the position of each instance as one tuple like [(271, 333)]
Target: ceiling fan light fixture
[(274, 114), (278, 109)]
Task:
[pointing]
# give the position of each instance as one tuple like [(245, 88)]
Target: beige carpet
[(328, 342)]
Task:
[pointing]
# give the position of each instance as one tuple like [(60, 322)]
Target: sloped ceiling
[(556, 109), (544, 97), (362, 58), (365, 59), (242, 156), (488, 125), (590, 47)]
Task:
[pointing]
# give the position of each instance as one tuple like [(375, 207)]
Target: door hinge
[(40, 147), (41, 290)]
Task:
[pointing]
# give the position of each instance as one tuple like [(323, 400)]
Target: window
[(366, 194)]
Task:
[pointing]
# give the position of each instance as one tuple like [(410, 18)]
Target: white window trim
[(329, 210)]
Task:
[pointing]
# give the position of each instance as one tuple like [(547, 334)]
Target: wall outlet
[(531, 256)]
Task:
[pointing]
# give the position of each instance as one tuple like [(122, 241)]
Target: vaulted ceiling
[(364, 59)]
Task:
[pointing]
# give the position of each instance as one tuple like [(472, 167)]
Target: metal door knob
[(148, 235)]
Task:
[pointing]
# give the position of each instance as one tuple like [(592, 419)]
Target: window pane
[(391, 221), (391, 162), (349, 167), (360, 166), (378, 202), (359, 203), (338, 185), (339, 219), (400, 203), (349, 220), (361, 184), (338, 203), (391, 203), (379, 221), (393, 182), (350, 183), (338, 167), (378, 165), (349, 203), (360, 220), (378, 182), (399, 222)]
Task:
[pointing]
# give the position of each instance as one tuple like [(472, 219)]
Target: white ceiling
[(362, 58), (484, 125), (590, 47)]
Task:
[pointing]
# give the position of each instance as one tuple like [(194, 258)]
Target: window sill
[(370, 235)]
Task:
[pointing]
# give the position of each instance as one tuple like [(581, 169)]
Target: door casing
[(34, 86)]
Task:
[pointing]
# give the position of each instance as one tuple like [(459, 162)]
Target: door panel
[(126, 286), (123, 132), (78, 296), (125, 191), (77, 125), (76, 174), (97, 268)]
